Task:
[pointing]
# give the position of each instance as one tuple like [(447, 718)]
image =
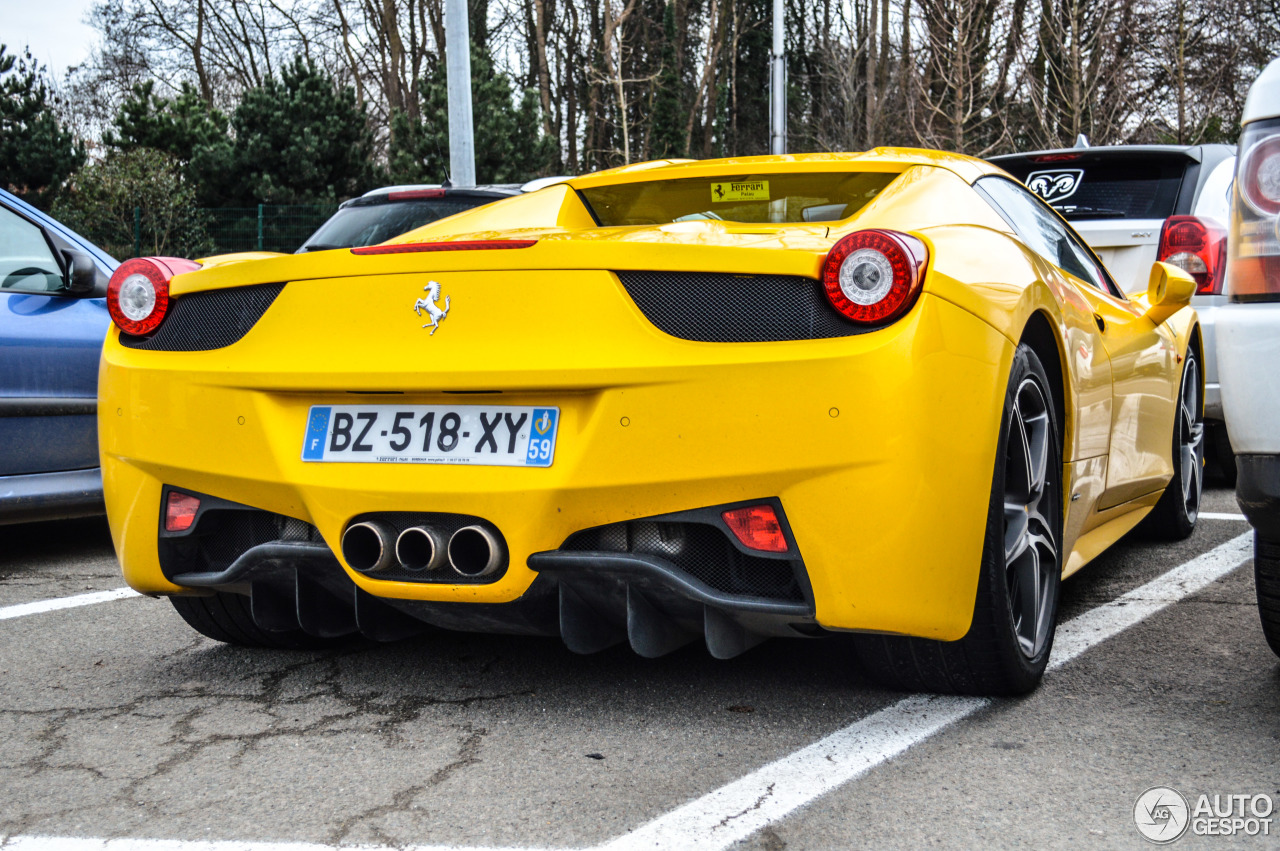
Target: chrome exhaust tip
[(366, 546), (420, 548), (474, 551)]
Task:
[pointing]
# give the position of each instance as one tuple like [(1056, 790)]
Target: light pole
[(462, 146), (778, 84)]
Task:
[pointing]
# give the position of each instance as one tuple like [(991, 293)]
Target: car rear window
[(1123, 189), (360, 225), (765, 198)]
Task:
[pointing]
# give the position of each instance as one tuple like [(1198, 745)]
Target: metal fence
[(219, 230), (267, 227)]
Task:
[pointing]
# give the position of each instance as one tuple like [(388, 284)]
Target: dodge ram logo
[(1054, 186)]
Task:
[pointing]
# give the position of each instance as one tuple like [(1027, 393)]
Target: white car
[(1136, 204), (1249, 337)]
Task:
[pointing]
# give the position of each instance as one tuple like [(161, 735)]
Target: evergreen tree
[(749, 126), (186, 127), (510, 147), (299, 139), (667, 122), (37, 154), (178, 126)]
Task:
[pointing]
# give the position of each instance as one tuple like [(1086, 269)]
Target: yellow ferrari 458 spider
[(890, 394)]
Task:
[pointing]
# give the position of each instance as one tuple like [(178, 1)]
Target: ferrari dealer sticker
[(740, 190)]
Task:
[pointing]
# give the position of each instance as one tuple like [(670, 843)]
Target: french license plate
[(486, 435)]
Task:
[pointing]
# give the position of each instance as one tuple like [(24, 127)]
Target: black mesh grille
[(212, 319), (700, 550), (718, 308)]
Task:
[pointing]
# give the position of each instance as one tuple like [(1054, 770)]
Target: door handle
[(1102, 323)]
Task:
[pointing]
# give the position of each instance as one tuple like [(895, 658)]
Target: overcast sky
[(54, 29)]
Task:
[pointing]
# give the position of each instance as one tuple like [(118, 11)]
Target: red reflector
[(180, 511), (757, 527), (464, 245), (410, 194)]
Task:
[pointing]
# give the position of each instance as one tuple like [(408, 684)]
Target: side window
[(1043, 232), (27, 263)]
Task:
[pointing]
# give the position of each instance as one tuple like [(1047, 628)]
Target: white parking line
[(1096, 625), (733, 812), (40, 606), (1217, 515), (721, 818)]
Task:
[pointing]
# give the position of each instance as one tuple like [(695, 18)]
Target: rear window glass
[(794, 198), (1129, 189), (357, 226)]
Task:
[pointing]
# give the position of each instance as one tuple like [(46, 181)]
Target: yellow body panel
[(880, 446)]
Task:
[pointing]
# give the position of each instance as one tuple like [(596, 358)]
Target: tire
[(1174, 517), (1218, 446), (1266, 575), (226, 617), (1007, 647)]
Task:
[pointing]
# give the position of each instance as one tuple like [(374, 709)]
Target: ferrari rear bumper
[(879, 449)]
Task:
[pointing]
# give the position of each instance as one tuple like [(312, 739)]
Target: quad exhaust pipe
[(474, 551), (367, 546), (371, 546), (420, 548)]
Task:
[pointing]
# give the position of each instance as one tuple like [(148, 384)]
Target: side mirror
[(1169, 289), (82, 273)]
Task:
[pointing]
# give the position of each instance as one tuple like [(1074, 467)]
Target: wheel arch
[(1195, 339), (1039, 335)]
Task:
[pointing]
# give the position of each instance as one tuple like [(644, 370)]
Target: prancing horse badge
[(434, 313)]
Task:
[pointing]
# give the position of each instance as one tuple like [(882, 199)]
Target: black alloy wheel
[(1174, 517), (1031, 555)]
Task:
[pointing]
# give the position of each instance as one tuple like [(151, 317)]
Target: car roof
[(1264, 95), (1196, 153), (496, 189), (104, 259)]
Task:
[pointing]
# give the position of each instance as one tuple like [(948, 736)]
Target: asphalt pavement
[(117, 722)]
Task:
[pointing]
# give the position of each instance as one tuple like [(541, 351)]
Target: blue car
[(53, 319)]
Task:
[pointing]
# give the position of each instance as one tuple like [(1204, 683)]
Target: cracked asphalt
[(116, 720)]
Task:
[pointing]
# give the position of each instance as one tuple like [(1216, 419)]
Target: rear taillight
[(1198, 246), (1260, 176), (1253, 273), (874, 276), (757, 527), (138, 294)]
